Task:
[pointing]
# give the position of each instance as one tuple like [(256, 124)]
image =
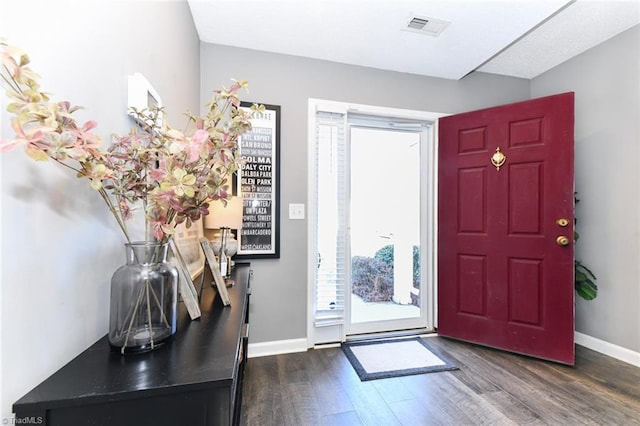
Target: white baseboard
[(614, 351), (300, 345), (277, 347)]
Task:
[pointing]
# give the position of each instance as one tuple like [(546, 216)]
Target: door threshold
[(390, 334)]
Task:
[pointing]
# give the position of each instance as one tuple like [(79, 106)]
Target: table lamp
[(225, 218)]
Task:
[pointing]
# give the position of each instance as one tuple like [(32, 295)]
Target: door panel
[(384, 243), (503, 279)]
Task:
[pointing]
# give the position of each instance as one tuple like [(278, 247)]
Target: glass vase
[(144, 298)]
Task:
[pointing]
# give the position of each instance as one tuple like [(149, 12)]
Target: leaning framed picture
[(258, 182), (214, 267), (185, 280)]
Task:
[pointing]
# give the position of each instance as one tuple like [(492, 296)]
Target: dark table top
[(202, 355)]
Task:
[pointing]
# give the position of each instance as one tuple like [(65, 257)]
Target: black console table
[(194, 380)]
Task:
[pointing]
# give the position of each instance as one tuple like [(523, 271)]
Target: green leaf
[(584, 284), (587, 292), (580, 277), (588, 271)]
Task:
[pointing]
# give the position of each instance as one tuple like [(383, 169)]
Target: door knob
[(562, 240), (562, 222)]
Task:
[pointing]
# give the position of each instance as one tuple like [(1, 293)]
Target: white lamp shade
[(221, 216)]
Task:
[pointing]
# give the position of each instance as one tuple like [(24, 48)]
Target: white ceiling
[(520, 38)]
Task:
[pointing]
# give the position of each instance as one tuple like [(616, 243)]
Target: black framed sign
[(259, 186)]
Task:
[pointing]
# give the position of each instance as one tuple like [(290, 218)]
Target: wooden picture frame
[(186, 287), (258, 182), (214, 267)]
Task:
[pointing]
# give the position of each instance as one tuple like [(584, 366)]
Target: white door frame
[(337, 331)]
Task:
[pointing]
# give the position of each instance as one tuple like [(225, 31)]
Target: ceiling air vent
[(426, 25)]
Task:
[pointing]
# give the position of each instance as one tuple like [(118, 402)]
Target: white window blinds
[(330, 232)]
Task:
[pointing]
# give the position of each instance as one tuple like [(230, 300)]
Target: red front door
[(505, 273)]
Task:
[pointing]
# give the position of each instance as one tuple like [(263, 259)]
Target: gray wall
[(606, 81), (279, 296), (59, 244)]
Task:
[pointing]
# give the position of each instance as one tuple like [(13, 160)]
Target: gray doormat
[(381, 359)]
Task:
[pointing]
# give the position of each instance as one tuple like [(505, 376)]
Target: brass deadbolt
[(562, 222)]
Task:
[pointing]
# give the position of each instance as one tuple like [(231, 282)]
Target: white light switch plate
[(296, 211)]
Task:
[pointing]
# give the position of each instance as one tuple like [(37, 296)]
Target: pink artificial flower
[(195, 145), (157, 230), (162, 197), (88, 138), (125, 211), (222, 193), (7, 145), (30, 140), (158, 174)]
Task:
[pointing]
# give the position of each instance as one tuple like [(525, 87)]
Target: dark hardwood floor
[(491, 387)]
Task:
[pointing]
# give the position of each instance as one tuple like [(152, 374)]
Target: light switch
[(296, 211)]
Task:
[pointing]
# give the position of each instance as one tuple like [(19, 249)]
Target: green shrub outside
[(372, 278)]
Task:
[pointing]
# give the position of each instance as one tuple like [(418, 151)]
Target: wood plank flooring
[(319, 387)]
